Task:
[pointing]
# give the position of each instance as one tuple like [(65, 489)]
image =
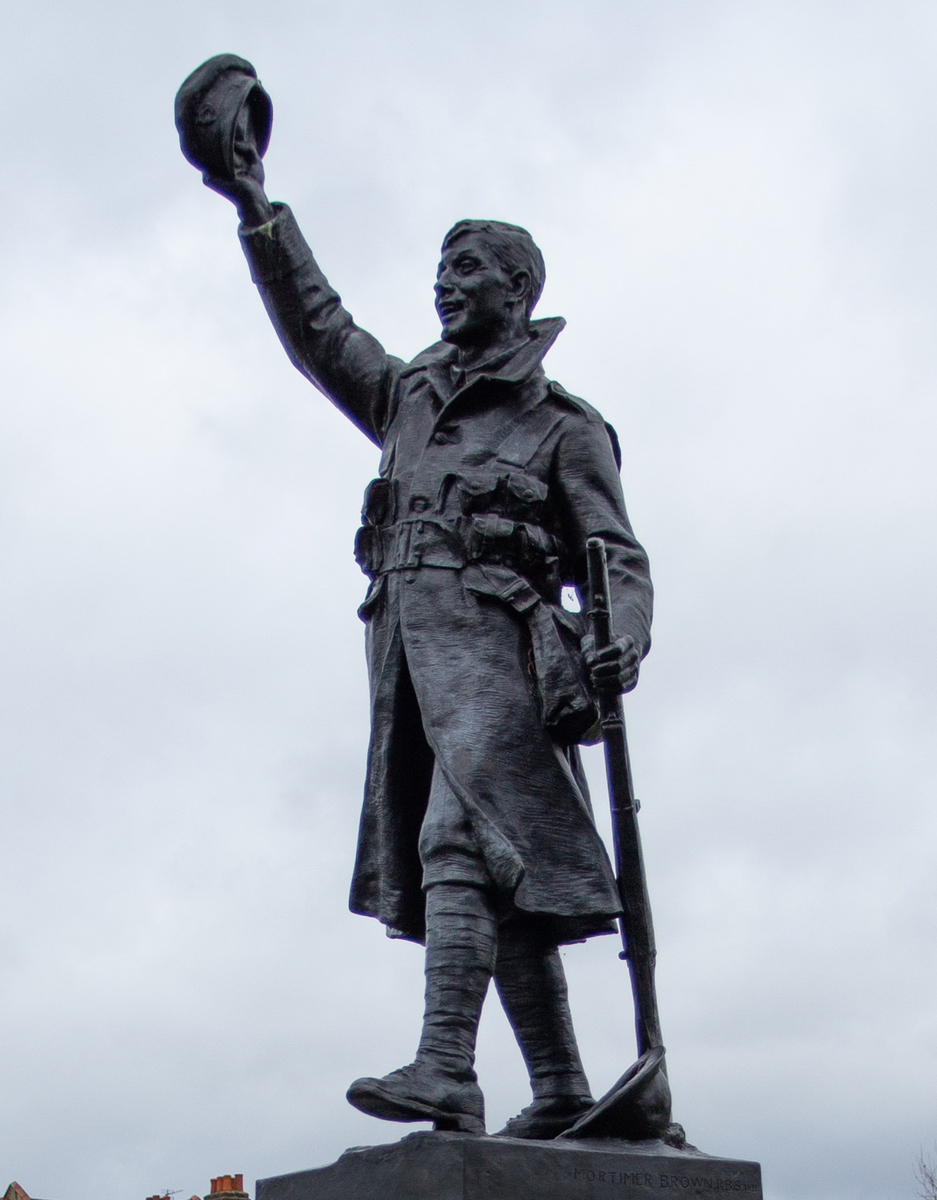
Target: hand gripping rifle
[(638, 1106)]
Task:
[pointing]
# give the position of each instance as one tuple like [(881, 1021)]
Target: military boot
[(440, 1085), (532, 986)]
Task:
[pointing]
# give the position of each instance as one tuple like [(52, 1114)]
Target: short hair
[(511, 245)]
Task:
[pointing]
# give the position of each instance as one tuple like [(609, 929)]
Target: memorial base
[(455, 1166)]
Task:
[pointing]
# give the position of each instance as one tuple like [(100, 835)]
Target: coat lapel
[(513, 367)]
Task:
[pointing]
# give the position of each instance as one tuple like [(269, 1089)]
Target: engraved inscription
[(622, 1178), (707, 1184), (660, 1182)]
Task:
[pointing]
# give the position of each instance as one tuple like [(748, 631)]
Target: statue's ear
[(520, 285)]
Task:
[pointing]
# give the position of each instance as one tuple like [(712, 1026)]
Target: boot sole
[(372, 1099), (541, 1130)]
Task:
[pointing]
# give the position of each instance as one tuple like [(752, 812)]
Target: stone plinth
[(454, 1166)]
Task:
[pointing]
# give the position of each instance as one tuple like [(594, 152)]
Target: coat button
[(410, 578)]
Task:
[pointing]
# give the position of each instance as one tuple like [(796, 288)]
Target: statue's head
[(490, 277)]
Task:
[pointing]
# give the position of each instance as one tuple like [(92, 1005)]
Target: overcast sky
[(737, 202)]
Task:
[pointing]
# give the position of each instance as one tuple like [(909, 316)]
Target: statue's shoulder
[(576, 404), (438, 352), (567, 400)]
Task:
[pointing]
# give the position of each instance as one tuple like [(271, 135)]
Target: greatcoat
[(489, 486)]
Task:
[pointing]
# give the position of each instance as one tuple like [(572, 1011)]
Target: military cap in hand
[(219, 107)]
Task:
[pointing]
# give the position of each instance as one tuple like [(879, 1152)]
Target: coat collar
[(519, 363), (510, 366)]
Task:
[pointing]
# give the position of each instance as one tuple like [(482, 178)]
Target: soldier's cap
[(208, 108)]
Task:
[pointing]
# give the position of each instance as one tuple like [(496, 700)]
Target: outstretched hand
[(246, 189), (614, 669)]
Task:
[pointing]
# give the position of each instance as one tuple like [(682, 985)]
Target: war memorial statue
[(496, 489)]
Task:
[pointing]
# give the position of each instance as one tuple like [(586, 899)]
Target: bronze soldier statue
[(477, 835)]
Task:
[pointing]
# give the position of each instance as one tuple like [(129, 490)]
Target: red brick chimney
[(227, 1187)]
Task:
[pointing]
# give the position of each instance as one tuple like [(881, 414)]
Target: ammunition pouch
[(499, 521), (456, 542)]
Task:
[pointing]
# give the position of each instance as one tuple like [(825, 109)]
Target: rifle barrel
[(637, 929)]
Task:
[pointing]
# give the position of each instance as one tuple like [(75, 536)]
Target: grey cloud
[(734, 202)]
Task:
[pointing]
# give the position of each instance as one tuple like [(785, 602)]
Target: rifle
[(638, 1106)]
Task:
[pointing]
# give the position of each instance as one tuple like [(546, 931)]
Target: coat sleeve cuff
[(274, 250)]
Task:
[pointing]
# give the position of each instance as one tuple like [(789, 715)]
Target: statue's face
[(476, 299)]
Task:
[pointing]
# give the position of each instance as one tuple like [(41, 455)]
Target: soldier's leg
[(440, 1085), (461, 944), (532, 985), (461, 933)]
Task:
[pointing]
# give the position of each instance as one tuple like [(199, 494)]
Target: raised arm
[(347, 364)]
